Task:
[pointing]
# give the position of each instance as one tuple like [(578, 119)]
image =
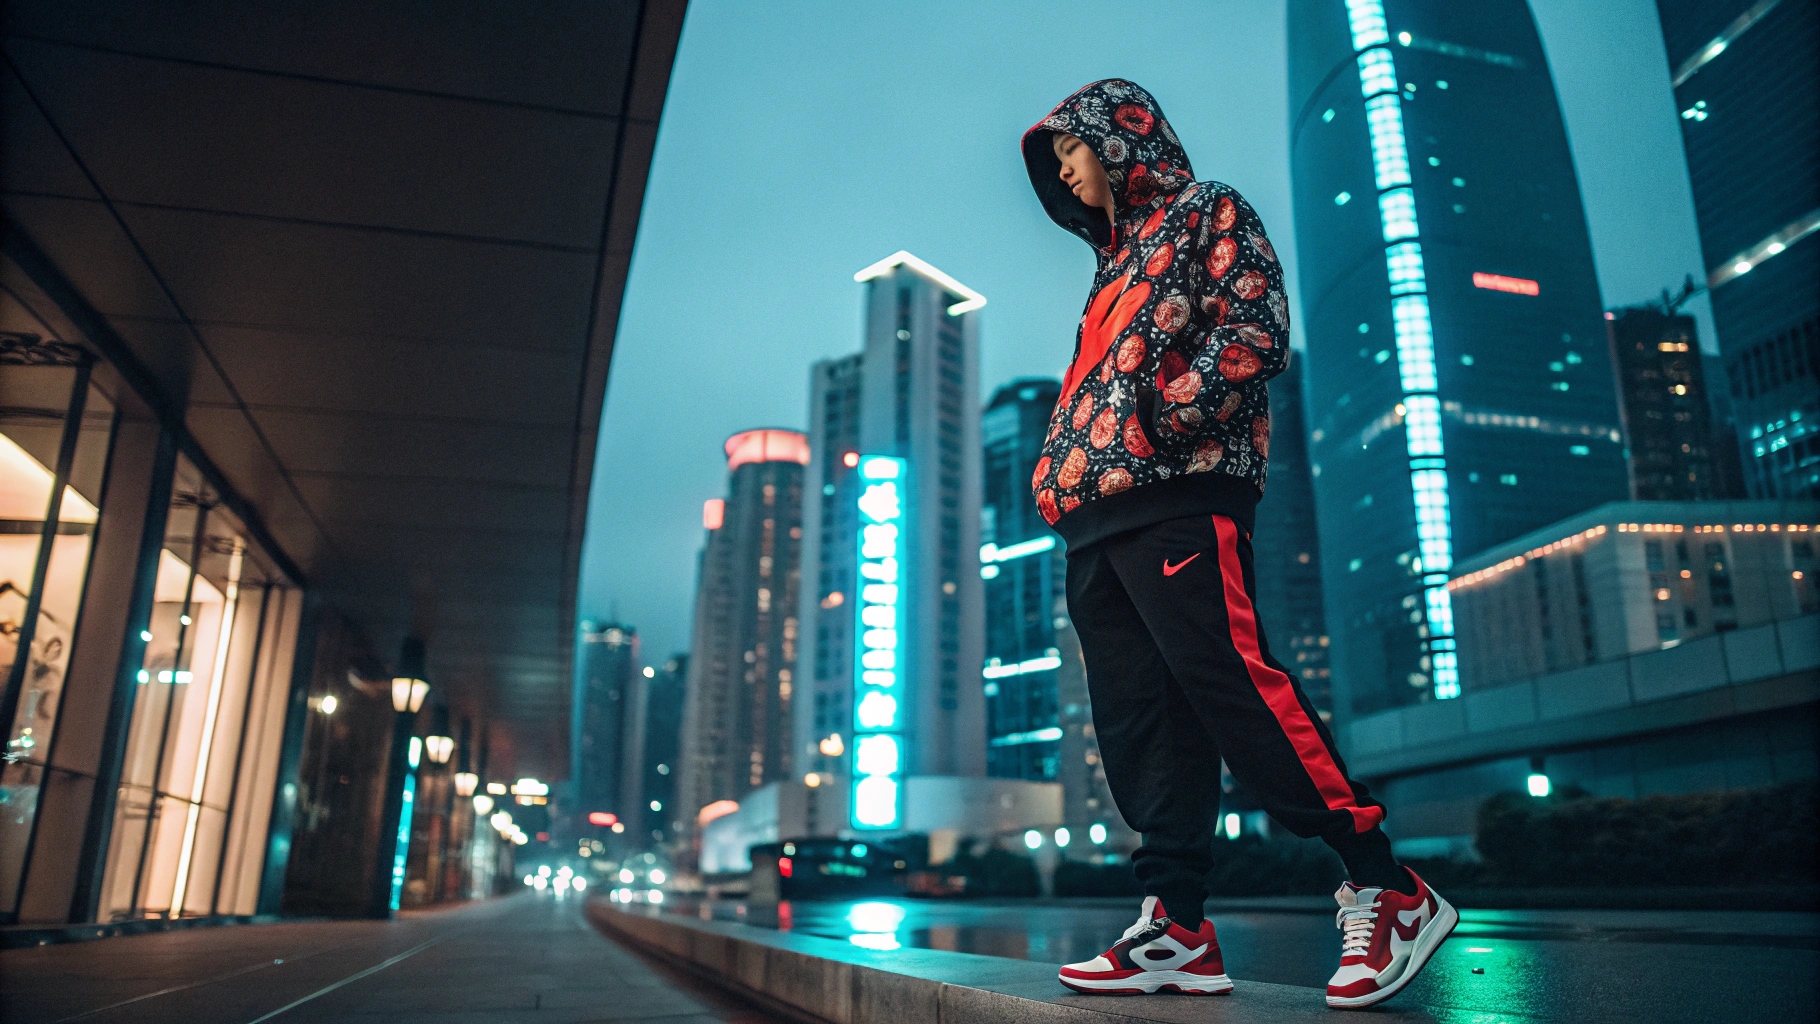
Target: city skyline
[(782, 314)]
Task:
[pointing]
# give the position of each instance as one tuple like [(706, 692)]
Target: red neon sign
[(1500, 283), (601, 818)]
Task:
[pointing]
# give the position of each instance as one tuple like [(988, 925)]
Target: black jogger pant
[(1180, 677)]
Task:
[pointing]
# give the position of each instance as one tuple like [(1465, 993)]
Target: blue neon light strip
[(1014, 739), (879, 699), (403, 848), (1414, 333)]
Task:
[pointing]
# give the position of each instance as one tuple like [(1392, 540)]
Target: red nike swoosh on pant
[(1171, 570)]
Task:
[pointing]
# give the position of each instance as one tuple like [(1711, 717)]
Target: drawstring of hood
[(1126, 129)]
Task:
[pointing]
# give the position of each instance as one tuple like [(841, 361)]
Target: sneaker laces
[(1356, 924), (1147, 931)]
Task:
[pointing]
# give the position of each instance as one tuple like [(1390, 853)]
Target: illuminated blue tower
[(1460, 388)]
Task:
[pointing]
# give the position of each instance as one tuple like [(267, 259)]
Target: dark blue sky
[(802, 141)]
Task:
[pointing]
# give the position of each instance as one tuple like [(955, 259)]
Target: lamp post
[(408, 691)]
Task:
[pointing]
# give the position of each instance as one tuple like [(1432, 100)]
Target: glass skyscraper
[(1021, 564), (1747, 88), (1460, 390), (736, 732)]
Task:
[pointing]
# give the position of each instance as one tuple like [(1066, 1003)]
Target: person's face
[(1082, 171)]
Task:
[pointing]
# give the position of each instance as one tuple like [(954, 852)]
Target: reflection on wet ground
[(1544, 964)]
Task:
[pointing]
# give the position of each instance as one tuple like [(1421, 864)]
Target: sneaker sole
[(1145, 983), (1426, 943)]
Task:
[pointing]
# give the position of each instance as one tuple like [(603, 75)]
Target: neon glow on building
[(401, 851), (878, 684), (1415, 338)]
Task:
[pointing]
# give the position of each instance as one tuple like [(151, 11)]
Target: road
[(1538, 965), (526, 958)]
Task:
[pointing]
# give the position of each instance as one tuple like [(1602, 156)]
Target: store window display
[(54, 433), (202, 731)]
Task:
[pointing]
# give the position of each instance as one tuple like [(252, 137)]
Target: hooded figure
[(1163, 411), (1152, 471)]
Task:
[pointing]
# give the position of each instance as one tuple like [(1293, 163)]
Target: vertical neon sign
[(402, 850), (1414, 334), (878, 681)]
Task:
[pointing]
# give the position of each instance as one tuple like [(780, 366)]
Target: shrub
[(1743, 837), (995, 872)]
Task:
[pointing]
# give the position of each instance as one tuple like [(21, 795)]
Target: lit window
[(1397, 208), (1342, 199)]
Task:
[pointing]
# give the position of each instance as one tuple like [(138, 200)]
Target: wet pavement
[(526, 958), (1543, 965)]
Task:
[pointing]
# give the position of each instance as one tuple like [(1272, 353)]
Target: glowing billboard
[(878, 682)]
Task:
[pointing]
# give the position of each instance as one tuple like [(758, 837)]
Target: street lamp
[(408, 693), (439, 747), (465, 782), (483, 805)]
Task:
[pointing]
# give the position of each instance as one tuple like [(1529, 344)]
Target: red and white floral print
[(1161, 384)]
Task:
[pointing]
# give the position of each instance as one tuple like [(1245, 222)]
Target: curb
[(27, 936), (834, 982)]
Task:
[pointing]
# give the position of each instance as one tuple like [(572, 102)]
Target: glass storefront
[(54, 430), (195, 788)]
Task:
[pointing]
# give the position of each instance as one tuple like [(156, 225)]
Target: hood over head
[(1125, 126)]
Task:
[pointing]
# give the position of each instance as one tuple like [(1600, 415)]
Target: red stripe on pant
[(1279, 693)]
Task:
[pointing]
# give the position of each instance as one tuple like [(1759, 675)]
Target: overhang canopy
[(369, 256)]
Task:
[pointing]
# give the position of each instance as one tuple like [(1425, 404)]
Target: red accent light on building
[(543, 837), (850, 459), (784, 867), (601, 818), (1500, 283), (713, 513), (767, 446)]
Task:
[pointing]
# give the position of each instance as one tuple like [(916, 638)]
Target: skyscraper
[(1460, 390), (604, 720), (1748, 92), (1668, 422), (736, 706), (660, 764), (919, 379), (1286, 547), (824, 708), (1023, 571)]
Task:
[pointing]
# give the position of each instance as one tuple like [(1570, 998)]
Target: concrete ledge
[(827, 980)]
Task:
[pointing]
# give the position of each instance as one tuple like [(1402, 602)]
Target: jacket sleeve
[(1237, 290)]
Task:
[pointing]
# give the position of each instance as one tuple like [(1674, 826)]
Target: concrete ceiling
[(370, 255)]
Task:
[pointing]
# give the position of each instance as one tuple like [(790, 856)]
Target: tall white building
[(910, 393)]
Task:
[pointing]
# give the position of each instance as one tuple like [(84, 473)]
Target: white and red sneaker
[(1155, 954), (1376, 962)]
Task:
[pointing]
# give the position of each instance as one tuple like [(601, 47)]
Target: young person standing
[(1152, 470)]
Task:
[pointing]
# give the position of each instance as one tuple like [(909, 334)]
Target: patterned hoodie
[(1163, 411)]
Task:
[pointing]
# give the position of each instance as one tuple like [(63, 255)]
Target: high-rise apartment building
[(742, 659), (1023, 571), (906, 395), (824, 704), (1460, 390), (918, 388), (1668, 420), (659, 764), (604, 721), (1748, 91), (1286, 547)]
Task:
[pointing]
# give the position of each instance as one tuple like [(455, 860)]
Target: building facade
[(604, 740), (1460, 390), (665, 690), (1745, 85), (824, 713), (919, 379), (1023, 571), (742, 659), (1637, 648), (1286, 547), (1667, 410)]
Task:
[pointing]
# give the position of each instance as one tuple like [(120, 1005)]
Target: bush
[(995, 872), (1748, 837), (1277, 866), (1079, 878)]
